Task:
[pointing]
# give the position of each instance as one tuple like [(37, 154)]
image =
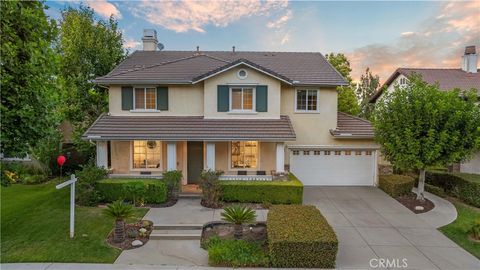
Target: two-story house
[(250, 114)]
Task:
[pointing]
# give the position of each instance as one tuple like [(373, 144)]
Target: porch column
[(171, 156), (210, 156), (280, 157), (102, 154)]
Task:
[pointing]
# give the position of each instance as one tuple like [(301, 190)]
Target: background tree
[(28, 76), (90, 48), (419, 126), (347, 100), (369, 83)]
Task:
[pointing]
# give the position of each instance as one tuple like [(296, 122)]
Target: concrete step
[(178, 226), (176, 234)]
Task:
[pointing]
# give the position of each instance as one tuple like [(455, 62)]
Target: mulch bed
[(253, 232), (410, 201), (127, 244)]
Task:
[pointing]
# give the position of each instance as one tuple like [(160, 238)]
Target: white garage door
[(334, 167)]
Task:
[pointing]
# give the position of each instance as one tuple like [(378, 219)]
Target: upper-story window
[(145, 98), (403, 81), (242, 98), (306, 100)]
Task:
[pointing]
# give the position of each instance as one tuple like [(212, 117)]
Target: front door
[(194, 161)]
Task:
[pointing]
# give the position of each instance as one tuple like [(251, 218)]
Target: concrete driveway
[(371, 226)]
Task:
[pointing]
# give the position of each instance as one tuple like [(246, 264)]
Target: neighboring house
[(465, 78), (250, 114)]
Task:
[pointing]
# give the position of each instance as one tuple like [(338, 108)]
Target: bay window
[(146, 154), (244, 154)]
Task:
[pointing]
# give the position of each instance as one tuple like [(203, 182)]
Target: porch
[(240, 160)]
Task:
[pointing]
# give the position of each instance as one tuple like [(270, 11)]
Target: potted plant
[(120, 211), (238, 215)]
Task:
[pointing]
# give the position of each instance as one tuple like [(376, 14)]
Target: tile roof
[(447, 79), (191, 128), (299, 68), (349, 126)]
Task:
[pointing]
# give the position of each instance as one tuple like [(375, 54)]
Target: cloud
[(104, 8), (280, 22), (131, 44), (285, 38), (438, 42), (184, 16)]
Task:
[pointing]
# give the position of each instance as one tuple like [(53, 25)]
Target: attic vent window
[(242, 74)]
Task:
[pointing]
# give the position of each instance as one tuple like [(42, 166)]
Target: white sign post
[(70, 182)]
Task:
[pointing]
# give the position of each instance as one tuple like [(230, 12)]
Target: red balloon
[(61, 160)]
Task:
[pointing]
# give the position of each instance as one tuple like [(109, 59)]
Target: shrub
[(463, 186), (396, 185), (211, 189), (299, 236), (172, 179), (275, 192), (154, 191), (87, 194), (475, 230), (434, 190), (35, 179), (18, 172), (236, 253)]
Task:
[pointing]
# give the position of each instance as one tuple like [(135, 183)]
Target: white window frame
[(160, 168), (145, 99), (242, 77), (242, 169), (254, 99), (306, 108)]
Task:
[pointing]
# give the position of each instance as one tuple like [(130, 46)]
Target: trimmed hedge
[(299, 236), (396, 185), (275, 192), (154, 191), (463, 186)]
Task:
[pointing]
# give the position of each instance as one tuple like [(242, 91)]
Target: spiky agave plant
[(120, 211), (238, 215)]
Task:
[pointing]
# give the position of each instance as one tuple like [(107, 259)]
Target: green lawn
[(457, 230), (35, 227)]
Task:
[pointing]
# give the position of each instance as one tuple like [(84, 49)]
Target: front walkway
[(443, 214)]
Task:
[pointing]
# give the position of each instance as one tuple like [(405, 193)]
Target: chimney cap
[(233, 48), (149, 34), (470, 50)]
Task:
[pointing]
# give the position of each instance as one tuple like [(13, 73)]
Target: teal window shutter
[(162, 98), (223, 98), (127, 98), (262, 98)]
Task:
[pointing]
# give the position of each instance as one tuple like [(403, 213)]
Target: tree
[(366, 88), (120, 211), (347, 100), (90, 48), (238, 215), (28, 76), (419, 126)]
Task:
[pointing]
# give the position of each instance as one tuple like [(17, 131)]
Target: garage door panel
[(333, 170)]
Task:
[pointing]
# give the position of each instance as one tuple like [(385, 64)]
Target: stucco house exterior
[(465, 78), (250, 114)]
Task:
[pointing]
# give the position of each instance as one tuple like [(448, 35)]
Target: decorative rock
[(142, 230), (419, 208), (84, 235), (137, 243)]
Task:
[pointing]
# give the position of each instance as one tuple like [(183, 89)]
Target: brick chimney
[(469, 60), (149, 40)]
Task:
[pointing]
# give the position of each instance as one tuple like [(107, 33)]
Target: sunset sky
[(379, 35)]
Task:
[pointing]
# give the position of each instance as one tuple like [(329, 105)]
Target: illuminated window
[(241, 99), (244, 154), (146, 154), (327, 153), (145, 99), (306, 101), (348, 153), (337, 153)]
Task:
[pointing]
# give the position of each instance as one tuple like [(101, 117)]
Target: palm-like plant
[(238, 215), (120, 211)]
